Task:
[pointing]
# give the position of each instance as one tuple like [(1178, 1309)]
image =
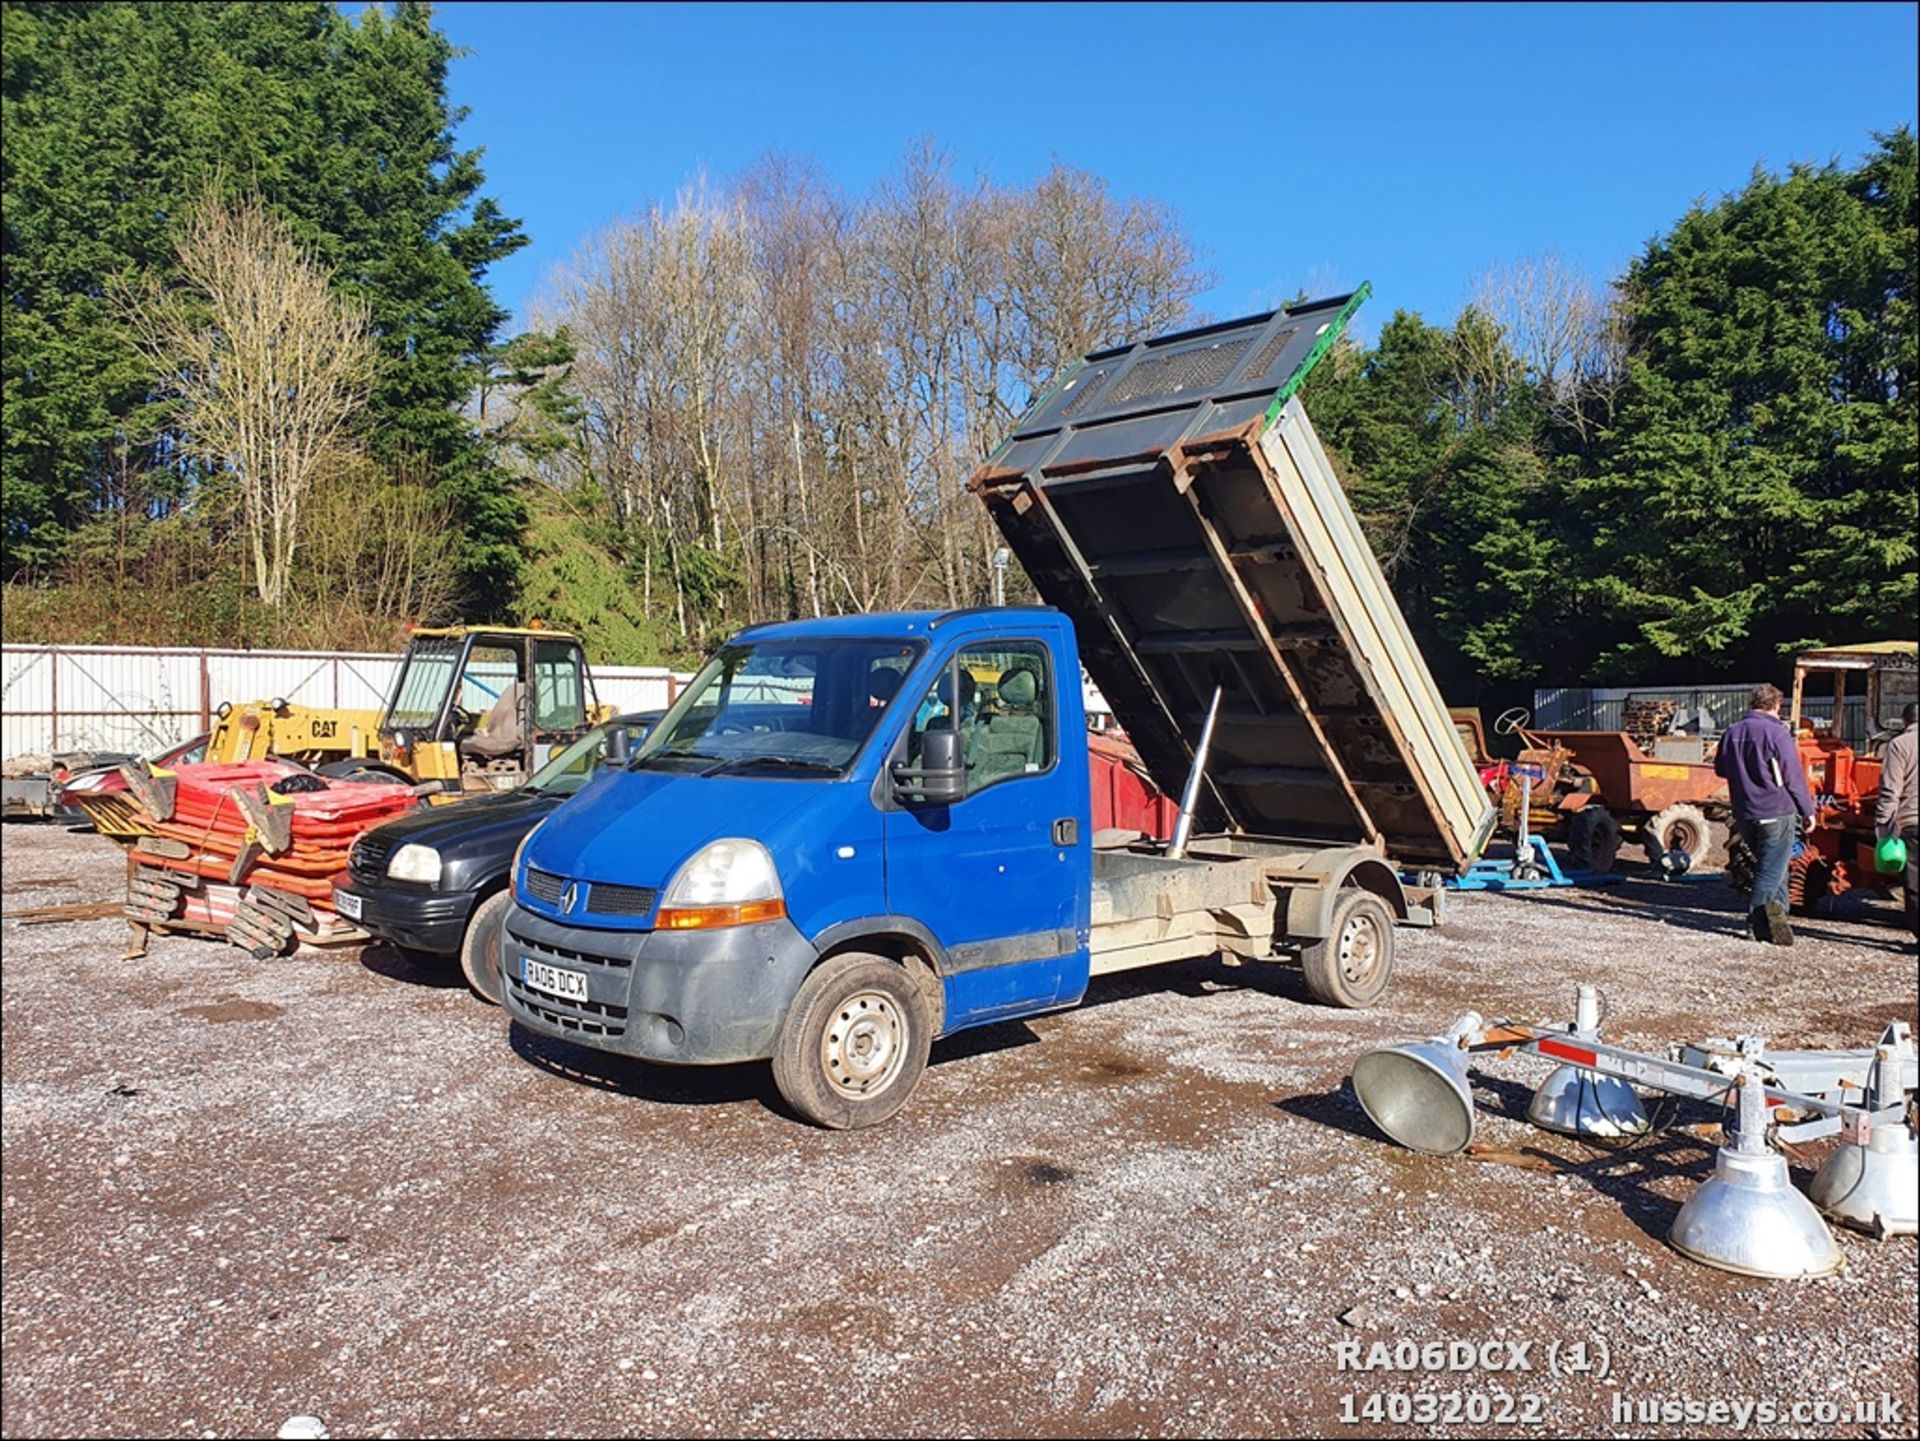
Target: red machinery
[(1837, 851)]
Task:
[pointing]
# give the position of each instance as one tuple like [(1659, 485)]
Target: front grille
[(368, 858), (589, 1018), (547, 951), (546, 886), (610, 900)]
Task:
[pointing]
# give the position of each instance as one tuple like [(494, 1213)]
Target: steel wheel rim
[(864, 1045), (1359, 950)]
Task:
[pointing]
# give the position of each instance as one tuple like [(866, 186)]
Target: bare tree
[(268, 368), (793, 386), (1568, 333)]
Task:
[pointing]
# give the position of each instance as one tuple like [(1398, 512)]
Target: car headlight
[(415, 863), (724, 883)]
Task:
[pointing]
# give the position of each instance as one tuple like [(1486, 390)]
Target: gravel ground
[(336, 1185)]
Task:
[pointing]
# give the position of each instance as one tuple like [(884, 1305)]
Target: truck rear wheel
[(480, 947), (854, 1042), (1351, 965)]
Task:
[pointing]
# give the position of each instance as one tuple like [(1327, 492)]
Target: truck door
[(994, 875)]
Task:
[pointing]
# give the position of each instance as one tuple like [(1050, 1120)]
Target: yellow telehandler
[(473, 709)]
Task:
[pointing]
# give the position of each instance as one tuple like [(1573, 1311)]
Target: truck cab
[(824, 788)]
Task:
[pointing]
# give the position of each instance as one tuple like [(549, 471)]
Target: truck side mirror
[(941, 776), (619, 747)]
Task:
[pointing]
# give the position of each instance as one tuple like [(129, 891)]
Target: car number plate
[(567, 985), (348, 904)]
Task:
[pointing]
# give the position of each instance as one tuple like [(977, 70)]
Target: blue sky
[(1305, 146)]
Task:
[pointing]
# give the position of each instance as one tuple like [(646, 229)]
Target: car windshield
[(796, 707), (568, 770)]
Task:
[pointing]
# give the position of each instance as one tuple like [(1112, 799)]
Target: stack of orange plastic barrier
[(208, 821)]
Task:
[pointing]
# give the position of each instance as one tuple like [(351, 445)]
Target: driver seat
[(499, 734)]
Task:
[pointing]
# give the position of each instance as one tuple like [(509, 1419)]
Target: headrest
[(968, 688), (1019, 687), (881, 684)]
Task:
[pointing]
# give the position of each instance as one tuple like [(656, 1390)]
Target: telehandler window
[(559, 702)]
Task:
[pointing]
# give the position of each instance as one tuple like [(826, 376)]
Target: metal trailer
[(1172, 498)]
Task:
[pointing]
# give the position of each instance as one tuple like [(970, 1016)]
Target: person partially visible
[(1767, 783), (1897, 812)]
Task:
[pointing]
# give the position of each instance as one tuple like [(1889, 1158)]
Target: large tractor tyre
[(1593, 839), (481, 947), (1742, 865), (1682, 830), (854, 1043), (365, 770), (1351, 965)]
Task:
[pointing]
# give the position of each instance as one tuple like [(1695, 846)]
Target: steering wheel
[(1510, 721), (464, 720)]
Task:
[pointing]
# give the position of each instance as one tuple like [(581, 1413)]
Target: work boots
[(1778, 931)]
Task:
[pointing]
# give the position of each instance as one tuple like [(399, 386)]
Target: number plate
[(347, 904), (567, 985)]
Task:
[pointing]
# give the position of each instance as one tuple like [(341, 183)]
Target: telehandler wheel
[(1352, 965), (854, 1042), (365, 770), (480, 947)]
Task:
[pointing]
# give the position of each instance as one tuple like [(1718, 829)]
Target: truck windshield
[(794, 707)]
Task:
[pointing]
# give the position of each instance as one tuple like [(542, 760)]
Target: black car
[(436, 880)]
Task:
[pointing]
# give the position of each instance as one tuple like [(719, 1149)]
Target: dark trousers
[(1772, 841)]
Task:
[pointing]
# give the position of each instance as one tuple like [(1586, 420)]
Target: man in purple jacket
[(1767, 783)]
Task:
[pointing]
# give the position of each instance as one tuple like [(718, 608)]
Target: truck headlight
[(513, 871), (724, 883), (415, 863)]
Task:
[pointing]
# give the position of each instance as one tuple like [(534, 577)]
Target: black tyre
[(1742, 865), (1682, 829), (1353, 964), (854, 1043), (480, 947), (1593, 839), (365, 770)]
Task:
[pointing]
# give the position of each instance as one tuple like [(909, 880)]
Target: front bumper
[(695, 998), (420, 920)]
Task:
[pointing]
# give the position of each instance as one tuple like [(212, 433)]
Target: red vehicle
[(81, 793)]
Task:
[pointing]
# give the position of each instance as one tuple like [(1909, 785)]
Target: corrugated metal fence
[(1601, 708), (84, 697)]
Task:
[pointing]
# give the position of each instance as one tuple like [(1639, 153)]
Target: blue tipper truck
[(851, 836)]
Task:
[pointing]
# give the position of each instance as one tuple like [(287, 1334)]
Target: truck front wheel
[(1351, 965), (854, 1042)]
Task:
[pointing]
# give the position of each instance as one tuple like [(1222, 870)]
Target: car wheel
[(480, 947), (854, 1043)]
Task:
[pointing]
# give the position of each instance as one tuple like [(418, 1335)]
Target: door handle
[(1066, 831)]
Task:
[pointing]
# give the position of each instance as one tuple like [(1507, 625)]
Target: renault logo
[(566, 900)]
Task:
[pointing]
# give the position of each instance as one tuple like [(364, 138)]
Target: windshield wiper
[(676, 755), (791, 762)]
